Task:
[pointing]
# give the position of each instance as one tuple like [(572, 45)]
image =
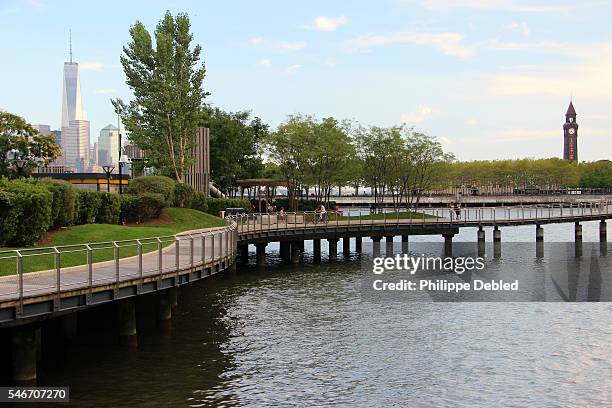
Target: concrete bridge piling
[(333, 249)]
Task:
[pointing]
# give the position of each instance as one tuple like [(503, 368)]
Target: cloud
[(520, 134), (92, 66), (445, 140), (35, 4), (104, 91), (287, 46), (471, 122), (255, 40), (328, 24), (293, 68), (330, 62), (522, 27), (497, 5), (448, 43), (421, 113), (264, 62)]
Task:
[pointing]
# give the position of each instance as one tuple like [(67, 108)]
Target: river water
[(305, 335)]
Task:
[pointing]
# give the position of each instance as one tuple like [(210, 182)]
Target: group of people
[(322, 212), (454, 209)]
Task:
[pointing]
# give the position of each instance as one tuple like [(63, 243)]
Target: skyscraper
[(108, 145), (75, 126)]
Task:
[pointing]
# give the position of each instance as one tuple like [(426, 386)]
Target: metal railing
[(52, 270), (259, 222)]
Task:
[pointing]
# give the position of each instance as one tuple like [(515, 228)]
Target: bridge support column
[(333, 249), (388, 246), (174, 299), (405, 243), (261, 254), (316, 250), (376, 246), (285, 252), (448, 244), (539, 233), (358, 243), (295, 252), (578, 232), (24, 351), (496, 234), (244, 254), (346, 246), (69, 326), (603, 231), (127, 323), (164, 311), (481, 235)]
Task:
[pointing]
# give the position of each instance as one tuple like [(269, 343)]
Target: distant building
[(75, 126), (43, 129), (108, 146), (75, 144), (570, 135), (95, 154)]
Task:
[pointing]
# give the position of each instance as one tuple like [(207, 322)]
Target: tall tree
[(167, 82), (20, 141), (236, 140)]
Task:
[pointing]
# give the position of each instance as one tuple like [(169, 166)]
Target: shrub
[(215, 205), (63, 208), (199, 202), (142, 207), (89, 204), (183, 194), (25, 212), (110, 208), (154, 184)]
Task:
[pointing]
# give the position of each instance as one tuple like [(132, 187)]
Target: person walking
[(458, 210), (451, 210)]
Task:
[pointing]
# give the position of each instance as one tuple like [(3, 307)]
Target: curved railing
[(103, 264), (256, 222)]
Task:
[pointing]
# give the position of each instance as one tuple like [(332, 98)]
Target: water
[(306, 336)]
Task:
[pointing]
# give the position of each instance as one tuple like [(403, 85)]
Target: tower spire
[(70, 34)]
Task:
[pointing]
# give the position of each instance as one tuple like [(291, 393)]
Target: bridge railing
[(53, 270), (254, 222)]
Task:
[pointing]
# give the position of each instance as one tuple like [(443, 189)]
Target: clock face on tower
[(571, 131)]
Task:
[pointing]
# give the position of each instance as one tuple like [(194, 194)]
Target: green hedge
[(25, 212), (89, 204), (199, 202), (64, 206), (110, 208), (154, 184), (183, 195), (215, 205), (142, 207)]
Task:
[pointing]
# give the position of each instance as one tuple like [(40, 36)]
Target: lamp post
[(108, 171)]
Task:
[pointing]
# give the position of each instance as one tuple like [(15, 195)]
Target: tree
[(236, 140), (20, 141), (596, 175), (168, 94)]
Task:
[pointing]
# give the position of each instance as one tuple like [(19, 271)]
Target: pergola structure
[(258, 183)]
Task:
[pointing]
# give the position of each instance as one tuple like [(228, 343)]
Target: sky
[(491, 79)]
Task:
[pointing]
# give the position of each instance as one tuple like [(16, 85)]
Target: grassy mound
[(173, 221)]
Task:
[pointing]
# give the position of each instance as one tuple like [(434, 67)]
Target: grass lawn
[(175, 220)]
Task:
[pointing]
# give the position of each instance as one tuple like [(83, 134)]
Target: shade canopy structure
[(258, 183)]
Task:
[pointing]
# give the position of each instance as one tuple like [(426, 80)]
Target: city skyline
[(489, 79)]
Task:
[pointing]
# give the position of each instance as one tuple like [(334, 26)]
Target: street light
[(108, 171), (123, 160), (20, 163)]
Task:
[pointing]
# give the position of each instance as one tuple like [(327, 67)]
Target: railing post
[(19, 309), (203, 251), (58, 281), (116, 258), (227, 240), (212, 247), (191, 251), (159, 259), (177, 252), (89, 273), (139, 264)]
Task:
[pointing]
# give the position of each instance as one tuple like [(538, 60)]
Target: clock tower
[(570, 135)]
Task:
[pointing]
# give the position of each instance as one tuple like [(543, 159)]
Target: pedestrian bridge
[(160, 263)]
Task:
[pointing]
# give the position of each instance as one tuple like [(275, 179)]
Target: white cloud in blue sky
[(490, 78)]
